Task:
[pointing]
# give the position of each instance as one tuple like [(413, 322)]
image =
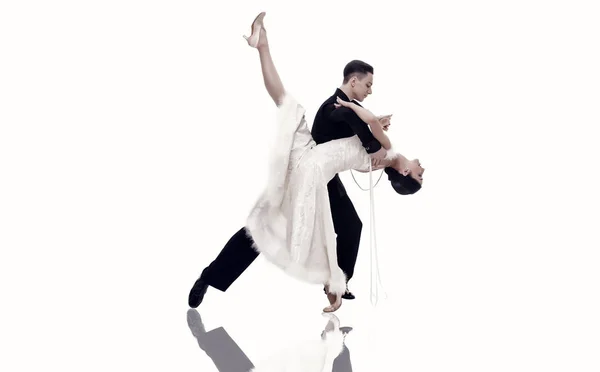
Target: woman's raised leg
[(258, 40)]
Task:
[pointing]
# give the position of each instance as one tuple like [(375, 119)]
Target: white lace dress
[(291, 223)]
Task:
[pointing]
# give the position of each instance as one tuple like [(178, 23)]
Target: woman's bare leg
[(270, 75)]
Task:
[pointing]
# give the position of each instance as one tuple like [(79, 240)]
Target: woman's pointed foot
[(335, 301), (256, 28)]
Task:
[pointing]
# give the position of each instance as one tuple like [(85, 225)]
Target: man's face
[(361, 86)]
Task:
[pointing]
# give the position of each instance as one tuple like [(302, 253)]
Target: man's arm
[(377, 164)]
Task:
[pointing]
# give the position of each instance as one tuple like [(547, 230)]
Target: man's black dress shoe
[(347, 295)]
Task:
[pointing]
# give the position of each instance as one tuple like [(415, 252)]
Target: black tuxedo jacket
[(331, 123)]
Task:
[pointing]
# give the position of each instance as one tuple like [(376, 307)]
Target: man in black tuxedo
[(330, 123), (219, 346), (334, 123)]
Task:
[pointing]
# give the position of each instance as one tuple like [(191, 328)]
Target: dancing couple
[(304, 222)]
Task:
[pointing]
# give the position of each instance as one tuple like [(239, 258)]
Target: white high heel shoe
[(256, 26)]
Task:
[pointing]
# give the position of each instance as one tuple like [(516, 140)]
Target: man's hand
[(382, 163), (379, 154), (377, 164)]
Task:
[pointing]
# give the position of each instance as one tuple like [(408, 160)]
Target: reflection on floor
[(327, 353)]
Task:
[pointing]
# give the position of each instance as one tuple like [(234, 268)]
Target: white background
[(133, 143)]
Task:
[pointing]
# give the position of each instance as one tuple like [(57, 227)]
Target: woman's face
[(416, 170)]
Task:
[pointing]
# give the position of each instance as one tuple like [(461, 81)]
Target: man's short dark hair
[(358, 68), (403, 185)]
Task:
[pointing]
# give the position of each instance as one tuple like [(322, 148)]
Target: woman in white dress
[(291, 223)]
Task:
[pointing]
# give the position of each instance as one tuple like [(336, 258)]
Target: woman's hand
[(341, 102), (385, 121)]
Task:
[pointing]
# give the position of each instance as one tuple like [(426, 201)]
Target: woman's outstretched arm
[(369, 118)]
